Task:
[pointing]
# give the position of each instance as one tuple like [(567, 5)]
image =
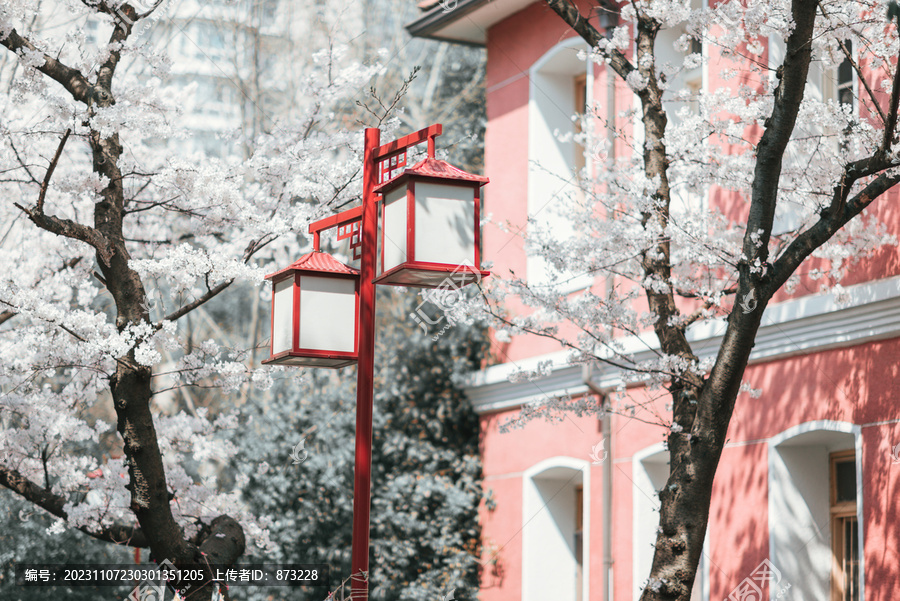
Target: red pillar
[(362, 480)]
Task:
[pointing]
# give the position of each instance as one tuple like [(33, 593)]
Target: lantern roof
[(316, 261), (433, 168)]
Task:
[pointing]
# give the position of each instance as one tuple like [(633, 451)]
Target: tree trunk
[(702, 408)]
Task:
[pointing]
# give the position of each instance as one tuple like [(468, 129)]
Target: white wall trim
[(821, 424), (573, 463), (774, 484), (799, 326), (531, 508), (572, 42), (640, 481)]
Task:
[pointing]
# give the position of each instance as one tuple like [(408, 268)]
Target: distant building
[(245, 58)]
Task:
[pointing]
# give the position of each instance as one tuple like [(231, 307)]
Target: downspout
[(608, 17), (606, 471), (587, 371)]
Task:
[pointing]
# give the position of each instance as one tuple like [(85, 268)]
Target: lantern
[(428, 227), (315, 309)]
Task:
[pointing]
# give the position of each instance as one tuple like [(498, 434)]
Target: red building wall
[(857, 384)]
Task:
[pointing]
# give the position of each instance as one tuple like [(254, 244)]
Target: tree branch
[(46, 183), (817, 235), (778, 129), (569, 13), (251, 249), (70, 229), (184, 310), (53, 503), (892, 111), (125, 17), (71, 79)]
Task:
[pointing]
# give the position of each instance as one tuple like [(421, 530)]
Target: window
[(555, 530), (580, 108), (559, 86), (92, 35), (814, 532), (844, 528), (823, 83), (845, 78), (210, 41), (838, 82)]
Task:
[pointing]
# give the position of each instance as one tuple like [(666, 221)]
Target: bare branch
[(46, 183), (22, 162)]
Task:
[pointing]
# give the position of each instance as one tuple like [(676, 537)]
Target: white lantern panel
[(395, 212), (282, 336), (327, 313), (445, 223)]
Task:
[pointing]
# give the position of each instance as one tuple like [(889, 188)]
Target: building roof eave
[(464, 21), (434, 23)]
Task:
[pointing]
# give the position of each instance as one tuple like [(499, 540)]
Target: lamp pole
[(365, 379), (367, 215)]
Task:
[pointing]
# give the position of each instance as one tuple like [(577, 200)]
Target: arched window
[(815, 510), (555, 530), (560, 87)]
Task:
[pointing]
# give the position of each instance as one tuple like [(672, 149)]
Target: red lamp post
[(422, 231)]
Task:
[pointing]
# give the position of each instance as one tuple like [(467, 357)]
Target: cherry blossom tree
[(789, 176), (110, 239)]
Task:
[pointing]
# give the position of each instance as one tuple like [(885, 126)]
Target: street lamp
[(315, 313), (416, 226), (428, 226)]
